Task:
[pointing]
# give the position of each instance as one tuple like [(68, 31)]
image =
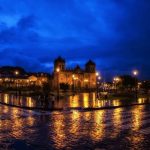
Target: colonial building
[(17, 76), (77, 77)]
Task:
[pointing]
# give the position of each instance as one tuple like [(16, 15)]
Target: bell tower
[(90, 67), (59, 63)]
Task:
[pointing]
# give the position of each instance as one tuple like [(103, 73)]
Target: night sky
[(113, 33)]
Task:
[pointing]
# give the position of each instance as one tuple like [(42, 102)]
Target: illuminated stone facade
[(36, 79), (76, 78)]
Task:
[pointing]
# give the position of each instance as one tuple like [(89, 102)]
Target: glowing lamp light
[(99, 78), (97, 74), (57, 70), (86, 80), (16, 72), (76, 78), (116, 79), (135, 72)]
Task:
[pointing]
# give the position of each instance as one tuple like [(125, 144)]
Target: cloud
[(26, 22), (113, 33)]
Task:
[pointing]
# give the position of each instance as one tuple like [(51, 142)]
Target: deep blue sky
[(114, 33)]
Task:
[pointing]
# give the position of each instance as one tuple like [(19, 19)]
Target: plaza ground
[(120, 128)]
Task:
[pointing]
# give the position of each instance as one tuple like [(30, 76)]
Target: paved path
[(120, 128)]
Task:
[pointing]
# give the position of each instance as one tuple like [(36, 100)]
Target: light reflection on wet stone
[(74, 130), (137, 118), (84, 100)]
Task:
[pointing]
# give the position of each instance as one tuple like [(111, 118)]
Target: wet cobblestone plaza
[(120, 128)]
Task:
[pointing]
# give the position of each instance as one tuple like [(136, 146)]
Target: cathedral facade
[(77, 78)]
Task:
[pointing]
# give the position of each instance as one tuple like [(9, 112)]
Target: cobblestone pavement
[(118, 129)]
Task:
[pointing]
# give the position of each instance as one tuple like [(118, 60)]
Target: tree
[(64, 86), (128, 82), (46, 89), (146, 86)]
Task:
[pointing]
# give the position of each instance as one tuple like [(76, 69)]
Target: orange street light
[(57, 70), (16, 72), (117, 79), (86, 80)]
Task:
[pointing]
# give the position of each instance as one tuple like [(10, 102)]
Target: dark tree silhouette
[(128, 81), (46, 89), (146, 86), (64, 87)]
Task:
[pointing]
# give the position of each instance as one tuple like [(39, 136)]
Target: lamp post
[(16, 74), (116, 80), (73, 78), (135, 74), (99, 78), (86, 84), (99, 82), (97, 75), (58, 70)]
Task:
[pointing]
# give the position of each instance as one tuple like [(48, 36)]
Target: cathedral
[(77, 77)]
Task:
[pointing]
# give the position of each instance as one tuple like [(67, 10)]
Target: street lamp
[(73, 78), (99, 78), (16, 74), (58, 70), (135, 74), (97, 74), (116, 80), (97, 82)]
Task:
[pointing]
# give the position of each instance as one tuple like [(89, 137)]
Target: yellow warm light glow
[(76, 78), (29, 102), (141, 100), (57, 70), (6, 98), (86, 80), (58, 128), (117, 121), (137, 117), (16, 72), (116, 103), (99, 124), (117, 79), (17, 124), (75, 119), (85, 100)]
